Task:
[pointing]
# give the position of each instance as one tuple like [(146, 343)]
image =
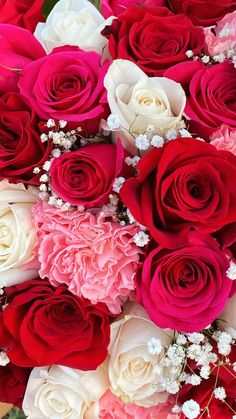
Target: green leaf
[(48, 6), (15, 414)]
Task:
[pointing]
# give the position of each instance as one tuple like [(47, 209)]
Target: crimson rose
[(203, 12), (13, 382), (43, 326), (14, 56), (185, 289), (24, 13), (84, 177), (21, 148), (67, 84), (210, 95), (185, 184), (153, 37)]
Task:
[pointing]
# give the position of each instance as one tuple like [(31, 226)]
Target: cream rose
[(140, 101), (62, 392), (132, 368), (72, 22), (227, 319), (17, 233)]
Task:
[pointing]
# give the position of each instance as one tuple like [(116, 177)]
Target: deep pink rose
[(210, 95), (18, 48), (67, 84), (116, 7), (84, 177), (185, 289), (24, 13)]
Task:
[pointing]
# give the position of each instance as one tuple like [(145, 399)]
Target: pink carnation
[(224, 139), (222, 37), (95, 257), (111, 407)]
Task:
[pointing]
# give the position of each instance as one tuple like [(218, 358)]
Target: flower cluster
[(118, 209)]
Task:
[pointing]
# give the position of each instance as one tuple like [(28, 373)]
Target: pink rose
[(84, 177), (111, 406), (67, 84), (187, 288), (18, 48), (95, 257), (116, 7), (224, 139), (210, 95), (222, 37)]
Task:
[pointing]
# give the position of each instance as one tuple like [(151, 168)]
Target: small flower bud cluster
[(145, 141), (229, 54)]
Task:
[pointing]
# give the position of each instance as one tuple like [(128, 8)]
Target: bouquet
[(118, 209)]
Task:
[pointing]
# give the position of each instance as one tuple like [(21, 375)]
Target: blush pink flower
[(224, 139), (111, 406), (222, 37), (95, 257)]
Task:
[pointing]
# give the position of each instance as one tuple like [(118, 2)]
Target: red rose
[(68, 84), (116, 7), (187, 288), (203, 12), (202, 393), (42, 326), (13, 382), (21, 148), (185, 184), (24, 13), (210, 95), (154, 38), (85, 176), (18, 48)]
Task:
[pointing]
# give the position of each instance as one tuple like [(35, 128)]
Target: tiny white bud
[(191, 409), (142, 142), (43, 178), (62, 123), (50, 123), (205, 59), (36, 170), (43, 138), (4, 360), (185, 133), (157, 141), (189, 53), (113, 122), (56, 152), (43, 187), (141, 239), (118, 183), (219, 393), (47, 165), (171, 134), (154, 346), (231, 272)]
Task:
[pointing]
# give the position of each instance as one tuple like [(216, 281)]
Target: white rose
[(140, 101), (59, 392), (227, 319), (17, 233), (72, 22), (132, 370)]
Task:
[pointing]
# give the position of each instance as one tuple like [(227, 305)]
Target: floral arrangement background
[(118, 208)]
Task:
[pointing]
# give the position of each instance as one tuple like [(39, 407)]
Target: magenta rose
[(185, 289), (18, 48), (210, 95), (153, 37), (84, 177), (24, 13), (21, 149), (116, 7), (67, 84)]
